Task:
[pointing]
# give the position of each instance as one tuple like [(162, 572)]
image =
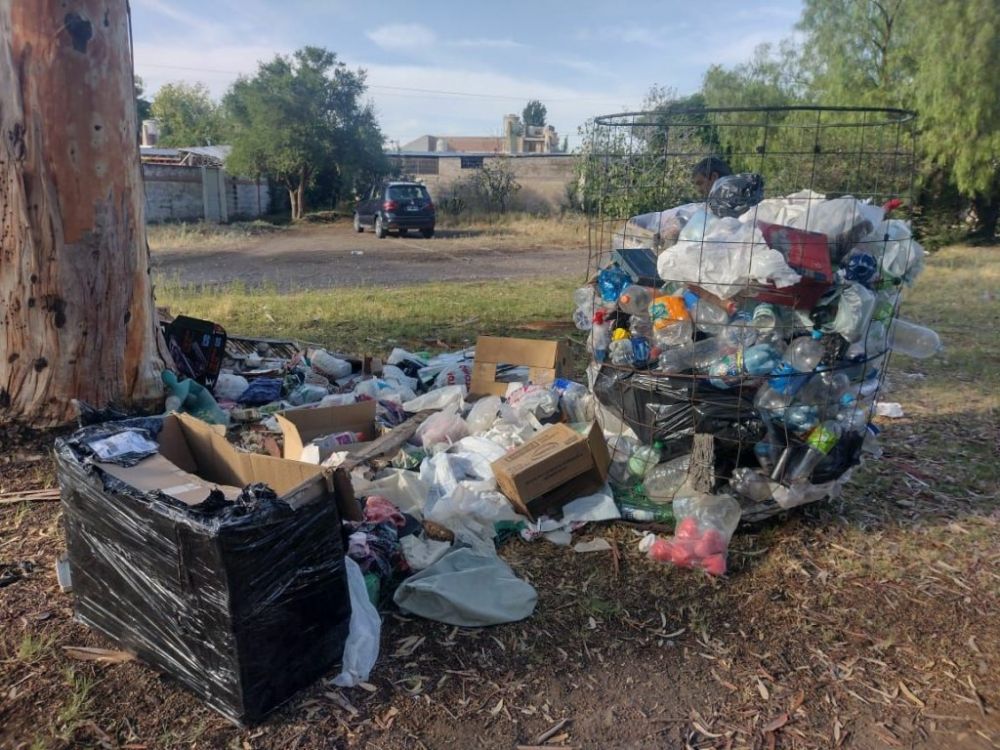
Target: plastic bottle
[(641, 325), (620, 349), (641, 350), (913, 340), (740, 331), (823, 390), (583, 316), (644, 458), (862, 268), (761, 359), (852, 415), (819, 443), (635, 299), (600, 337), (801, 356), (699, 355), (707, 316), (663, 481), (611, 282), (620, 448), (764, 317), (751, 484)]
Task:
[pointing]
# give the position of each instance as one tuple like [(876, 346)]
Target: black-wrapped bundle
[(243, 602)]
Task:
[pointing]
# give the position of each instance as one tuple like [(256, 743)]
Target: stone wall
[(175, 193)]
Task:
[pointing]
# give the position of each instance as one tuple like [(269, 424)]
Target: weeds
[(32, 647), (78, 701), (203, 234)]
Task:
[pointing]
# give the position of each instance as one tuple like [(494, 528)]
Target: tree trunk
[(300, 201), (293, 196), (77, 317), (987, 215)]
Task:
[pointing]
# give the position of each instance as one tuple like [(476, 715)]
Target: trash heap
[(738, 346), (310, 489)]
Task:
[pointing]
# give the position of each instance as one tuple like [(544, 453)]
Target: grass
[(569, 230), (374, 319), (204, 234), (32, 647), (77, 702)]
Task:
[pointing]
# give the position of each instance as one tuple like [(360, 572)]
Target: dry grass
[(568, 230), (203, 234)]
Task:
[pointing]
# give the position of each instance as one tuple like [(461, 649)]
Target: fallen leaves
[(99, 655)]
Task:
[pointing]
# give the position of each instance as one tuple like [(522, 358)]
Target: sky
[(455, 68)]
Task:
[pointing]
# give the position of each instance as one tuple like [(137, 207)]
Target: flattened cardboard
[(554, 467), (545, 360), (302, 426)]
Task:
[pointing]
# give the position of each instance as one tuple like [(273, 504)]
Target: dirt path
[(334, 255)]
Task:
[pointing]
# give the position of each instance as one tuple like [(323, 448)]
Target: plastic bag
[(735, 194), (393, 374), (705, 524), (657, 231), (444, 427), (362, 644), (229, 387), (436, 399), (405, 489), (457, 374), (844, 221), (421, 552), (899, 255), (728, 257), (467, 589), (472, 514), (307, 394), (483, 414), (538, 400)]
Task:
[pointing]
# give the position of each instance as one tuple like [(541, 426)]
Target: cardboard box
[(545, 360), (302, 426), (243, 606), (554, 467)]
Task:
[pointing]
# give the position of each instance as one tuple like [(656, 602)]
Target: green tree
[(534, 113), (301, 115), (863, 51), (956, 95), (143, 107), (187, 115), (495, 184)]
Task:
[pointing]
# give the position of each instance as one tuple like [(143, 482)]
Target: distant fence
[(178, 193)]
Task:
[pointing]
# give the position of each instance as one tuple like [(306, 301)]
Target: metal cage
[(807, 238)]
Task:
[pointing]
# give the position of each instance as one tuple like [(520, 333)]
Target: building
[(191, 184), (517, 138)]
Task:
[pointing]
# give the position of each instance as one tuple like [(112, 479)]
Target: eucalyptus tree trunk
[(77, 318)]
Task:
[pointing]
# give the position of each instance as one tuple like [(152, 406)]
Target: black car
[(398, 207)]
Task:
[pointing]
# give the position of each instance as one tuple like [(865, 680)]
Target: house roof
[(477, 143)]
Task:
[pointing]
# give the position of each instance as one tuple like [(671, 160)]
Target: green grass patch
[(374, 319)]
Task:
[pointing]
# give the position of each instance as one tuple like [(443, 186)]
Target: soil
[(335, 255), (868, 622)]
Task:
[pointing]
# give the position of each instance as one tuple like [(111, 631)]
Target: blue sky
[(481, 59)]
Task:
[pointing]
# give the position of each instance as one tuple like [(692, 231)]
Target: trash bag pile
[(769, 328)]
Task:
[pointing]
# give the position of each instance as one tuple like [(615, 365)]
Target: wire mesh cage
[(746, 268)]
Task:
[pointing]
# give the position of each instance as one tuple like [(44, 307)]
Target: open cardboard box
[(545, 360), (554, 467), (194, 459), (302, 426)]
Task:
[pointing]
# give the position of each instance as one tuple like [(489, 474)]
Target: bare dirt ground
[(335, 255)]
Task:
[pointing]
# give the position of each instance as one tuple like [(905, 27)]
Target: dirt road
[(334, 255)]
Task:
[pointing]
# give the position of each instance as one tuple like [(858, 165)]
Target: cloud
[(491, 43), (402, 36)]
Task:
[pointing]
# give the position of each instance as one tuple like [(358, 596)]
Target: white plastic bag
[(436, 399), (892, 243), (332, 367), (445, 427), (229, 387), (361, 646), (405, 489), (483, 414)]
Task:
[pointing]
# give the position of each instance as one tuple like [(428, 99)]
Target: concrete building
[(191, 184), (516, 138)]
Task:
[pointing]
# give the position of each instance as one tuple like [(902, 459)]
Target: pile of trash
[(762, 324)]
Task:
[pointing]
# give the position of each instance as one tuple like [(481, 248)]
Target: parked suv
[(398, 207)]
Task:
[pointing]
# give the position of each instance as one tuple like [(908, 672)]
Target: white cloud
[(491, 43), (402, 36)]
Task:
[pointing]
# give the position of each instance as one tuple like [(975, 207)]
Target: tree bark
[(77, 317), (300, 201)]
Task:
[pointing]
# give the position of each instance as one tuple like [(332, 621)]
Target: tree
[(77, 316), (862, 51), (956, 94), (143, 107), (495, 184), (534, 113), (187, 116), (299, 115)]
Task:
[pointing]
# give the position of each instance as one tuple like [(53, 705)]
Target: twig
[(29, 496), (540, 739)]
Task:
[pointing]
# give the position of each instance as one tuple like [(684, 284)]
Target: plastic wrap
[(244, 603)]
